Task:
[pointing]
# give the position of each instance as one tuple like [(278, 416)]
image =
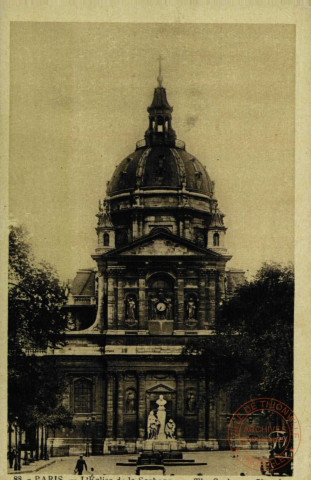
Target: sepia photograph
[(151, 250)]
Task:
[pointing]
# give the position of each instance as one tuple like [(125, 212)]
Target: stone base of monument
[(163, 445), (211, 444)]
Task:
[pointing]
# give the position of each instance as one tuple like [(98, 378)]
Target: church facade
[(159, 281)]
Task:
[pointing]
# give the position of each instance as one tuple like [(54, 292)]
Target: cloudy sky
[(79, 93)]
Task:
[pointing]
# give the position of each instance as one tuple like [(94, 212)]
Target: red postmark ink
[(264, 434)]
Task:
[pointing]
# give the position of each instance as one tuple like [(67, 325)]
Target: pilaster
[(120, 405), (180, 388), (142, 300), (141, 405), (110, 405), (202, 299), (211, 297), (111, 300), (180, 299), (121, 299), (100, 298), (202, 407), (212, 419)]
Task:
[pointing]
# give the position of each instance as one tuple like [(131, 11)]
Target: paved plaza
[(218, 463)]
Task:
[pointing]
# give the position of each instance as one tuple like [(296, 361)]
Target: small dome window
[(216, 239), (106, 239)]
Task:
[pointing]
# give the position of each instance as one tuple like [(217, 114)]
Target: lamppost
[(87, 448), (17, 464), (52, 447)]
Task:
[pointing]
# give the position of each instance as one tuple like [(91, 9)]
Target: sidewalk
[(32, 467)]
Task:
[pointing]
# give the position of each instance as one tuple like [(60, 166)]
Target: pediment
[(162, 243), (160, 389), (161, 246)]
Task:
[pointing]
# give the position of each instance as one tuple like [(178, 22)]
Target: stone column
[(120, 405), (202, 407), (180, 300), (142, 300), (121, 304), (180, 387), (211, 297), (111, 300), (142, 405), (100, 298), (110, 405), (202, 299), (212, 419), (221, 287)]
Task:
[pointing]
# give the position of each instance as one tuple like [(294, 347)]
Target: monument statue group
[(158, 428)]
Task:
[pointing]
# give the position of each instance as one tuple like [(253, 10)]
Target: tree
[(251, 351), (36, 297), (36, 322)]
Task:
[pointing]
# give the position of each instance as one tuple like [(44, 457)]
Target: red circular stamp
[(264, 435)]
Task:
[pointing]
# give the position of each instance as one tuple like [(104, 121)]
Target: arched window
[(216, 240), (83, 393), (106, 239)]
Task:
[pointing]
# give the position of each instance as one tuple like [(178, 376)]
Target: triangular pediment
[(163, 243), (161, 388), (160, 246)]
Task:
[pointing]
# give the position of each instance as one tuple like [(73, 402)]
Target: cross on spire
[(160, 78)]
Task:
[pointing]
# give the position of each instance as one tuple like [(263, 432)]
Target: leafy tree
[(36, 322), (251, 351), (36, 296)]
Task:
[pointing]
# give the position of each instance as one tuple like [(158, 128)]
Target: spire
[(160, 78), (160, 129)]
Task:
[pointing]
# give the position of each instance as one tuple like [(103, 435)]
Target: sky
[(78, 99)]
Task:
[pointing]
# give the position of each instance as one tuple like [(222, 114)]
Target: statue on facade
[(191, 402), (130, 313), (191, 308), (169, 429), (130, 406), (169, 308), (153, 301)]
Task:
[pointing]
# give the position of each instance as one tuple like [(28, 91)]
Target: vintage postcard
[(157, 224)]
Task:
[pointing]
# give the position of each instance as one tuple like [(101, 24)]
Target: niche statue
[(130, 402), (130, 313)]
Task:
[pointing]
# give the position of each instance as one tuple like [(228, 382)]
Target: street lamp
[(87, 448)]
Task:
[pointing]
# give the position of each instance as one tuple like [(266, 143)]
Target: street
[(218, 463)]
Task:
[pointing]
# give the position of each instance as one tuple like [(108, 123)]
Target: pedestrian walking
[(11, 456), (81, 463)]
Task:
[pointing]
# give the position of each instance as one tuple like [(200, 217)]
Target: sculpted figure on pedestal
[(130, 313)]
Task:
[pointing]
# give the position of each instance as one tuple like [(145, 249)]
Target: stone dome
[(160, 161), (160, 166)]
